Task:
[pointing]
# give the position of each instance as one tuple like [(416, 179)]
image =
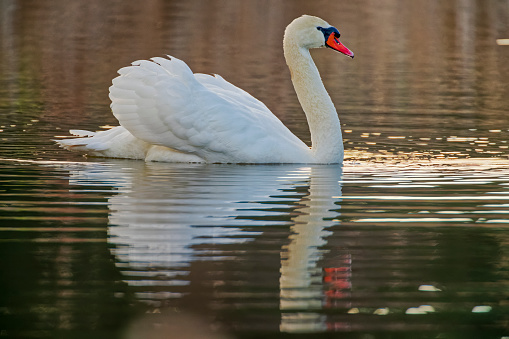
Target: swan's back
[(163, 103)]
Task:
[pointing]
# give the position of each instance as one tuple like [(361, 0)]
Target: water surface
[(256, 249)]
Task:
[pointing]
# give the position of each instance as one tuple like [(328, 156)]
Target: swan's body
[(167, 113)]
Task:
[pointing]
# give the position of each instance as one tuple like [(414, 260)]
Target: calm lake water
[(408, 239)]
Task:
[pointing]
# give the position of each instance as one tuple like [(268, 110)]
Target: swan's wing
[(223, 88), (162, 102)]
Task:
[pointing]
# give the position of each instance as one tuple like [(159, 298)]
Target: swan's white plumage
[(167, 113), (163, 103)]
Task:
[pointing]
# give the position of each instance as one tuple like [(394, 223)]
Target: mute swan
[(167, 113)]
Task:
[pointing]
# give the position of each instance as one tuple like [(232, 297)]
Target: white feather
[(167, 113)]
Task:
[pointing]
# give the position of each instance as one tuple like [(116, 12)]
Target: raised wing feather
[(162, 102)]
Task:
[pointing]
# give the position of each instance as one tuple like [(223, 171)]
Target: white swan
[(167, 113)]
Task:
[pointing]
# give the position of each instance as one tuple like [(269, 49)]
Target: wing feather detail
[(163, 103)]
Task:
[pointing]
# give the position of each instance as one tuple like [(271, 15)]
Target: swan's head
[(312, 32)]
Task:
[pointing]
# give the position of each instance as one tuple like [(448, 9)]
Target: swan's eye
[(328, 31)]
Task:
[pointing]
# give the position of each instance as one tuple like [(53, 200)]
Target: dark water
[(408, 239)]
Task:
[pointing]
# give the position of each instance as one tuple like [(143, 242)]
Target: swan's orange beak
[(335, 44)]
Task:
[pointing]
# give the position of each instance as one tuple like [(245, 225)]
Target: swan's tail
[(113, 143), (82, 144)]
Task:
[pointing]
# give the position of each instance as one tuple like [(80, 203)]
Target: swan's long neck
[(323, 121)]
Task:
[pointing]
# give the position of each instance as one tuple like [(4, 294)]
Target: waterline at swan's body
[(167, 113)]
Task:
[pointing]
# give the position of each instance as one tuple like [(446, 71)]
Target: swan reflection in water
[(164, 217), (301, 281)]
